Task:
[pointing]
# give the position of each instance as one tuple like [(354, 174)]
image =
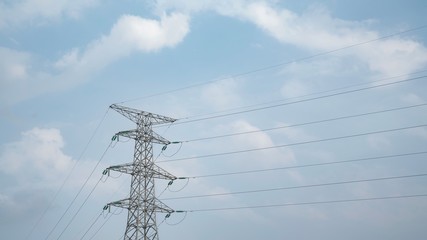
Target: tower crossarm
[(123, 168), (163, 208), (136, 115), (159, 206), (160, 173), (156, 171), (123, 203), (146, 137)]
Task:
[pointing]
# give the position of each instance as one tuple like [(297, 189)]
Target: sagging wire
[(180, 221), (104, 174), (68, 176), (164, 190), (99, 229), (115, 177), (114, 141), (78, 193), (105, 214), (164, 219), (114, 213), (168, 215), (106, 217), (93, 223), (169, 125), (123, 141), (165, 147), (172, 181)]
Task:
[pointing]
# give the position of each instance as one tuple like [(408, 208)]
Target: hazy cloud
[(221, 95), (294, 88), (38, 153), (13, 13), (129, 34), (317, 31)]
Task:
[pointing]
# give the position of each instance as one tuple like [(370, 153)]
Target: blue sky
[(64, 62)]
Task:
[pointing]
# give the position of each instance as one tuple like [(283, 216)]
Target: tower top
[(137, 116)]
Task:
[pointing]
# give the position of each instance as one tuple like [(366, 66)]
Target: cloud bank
[(316, 30), (129, 34), (28, 12)]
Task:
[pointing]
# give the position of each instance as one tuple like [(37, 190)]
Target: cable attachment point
[(173, 224), (164, 147), (105, 172), (170, 182), (115, 138)]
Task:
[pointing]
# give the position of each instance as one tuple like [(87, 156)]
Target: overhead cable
[(306, 123), (301, 101), (91, 225), (68, 176), (309, 165), (78, 193), (275, 65), (310, 203), (80, 208), (304, 95), (299, 187), (295, 144)]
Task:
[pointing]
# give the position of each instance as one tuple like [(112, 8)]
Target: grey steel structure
[(142, 204)]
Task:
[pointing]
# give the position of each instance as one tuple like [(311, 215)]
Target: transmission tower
[(142, 204)]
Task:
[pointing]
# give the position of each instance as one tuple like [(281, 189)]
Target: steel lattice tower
[(142, 203)]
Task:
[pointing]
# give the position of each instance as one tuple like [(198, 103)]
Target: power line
[(69, 174), (91, 225), (78, 193), (301, 101), (306, 123), (299, 187), (80, 208), (306, 95), (99, 229), (274, 66), (309, 165), (294, 144), (309, 203)]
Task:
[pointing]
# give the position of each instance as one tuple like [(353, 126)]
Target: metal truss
[(142, 204)]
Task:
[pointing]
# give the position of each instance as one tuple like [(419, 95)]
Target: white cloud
[(18, 77), (21, 12), (317, 31), (420, 132), (295, 134), (21, 205), (379, 142), (412, 98), (221, 95), (37, 155), (267, 158), (13, 65), (256, 140), (128, 35), (294, 88), (33, 167)]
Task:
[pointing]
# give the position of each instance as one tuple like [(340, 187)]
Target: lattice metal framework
[(142, 203)]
